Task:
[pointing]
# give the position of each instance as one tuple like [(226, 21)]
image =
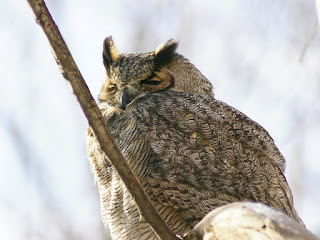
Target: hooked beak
[(125, 99)]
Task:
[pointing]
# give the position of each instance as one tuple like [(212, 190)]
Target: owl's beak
[(125, 99)]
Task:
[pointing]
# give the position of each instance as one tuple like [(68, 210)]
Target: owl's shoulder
[(186, 118)]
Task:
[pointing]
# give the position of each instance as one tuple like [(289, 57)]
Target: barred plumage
[(191, 153)]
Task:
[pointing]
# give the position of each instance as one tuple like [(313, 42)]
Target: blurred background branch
[(318, 9)]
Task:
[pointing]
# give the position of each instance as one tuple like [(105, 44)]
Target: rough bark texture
[(248, 221), (72, 74)]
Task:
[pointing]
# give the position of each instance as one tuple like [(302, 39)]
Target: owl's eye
[(150, 82), (112, 88)]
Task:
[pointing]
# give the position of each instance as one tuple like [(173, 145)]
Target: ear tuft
[(165, 53), (110, 53)]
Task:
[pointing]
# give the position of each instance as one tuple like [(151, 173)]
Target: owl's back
[(192, 154)]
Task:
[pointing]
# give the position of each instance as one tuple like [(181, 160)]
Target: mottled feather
[(191, 153)]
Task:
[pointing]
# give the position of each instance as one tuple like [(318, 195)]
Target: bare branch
[(247, 220), (72, 74)]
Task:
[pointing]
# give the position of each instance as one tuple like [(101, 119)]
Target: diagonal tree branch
[(80, 89)]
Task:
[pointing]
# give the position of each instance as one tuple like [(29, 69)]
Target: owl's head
[(133, 74)]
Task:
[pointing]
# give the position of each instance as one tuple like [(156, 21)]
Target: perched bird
[(191, 152)]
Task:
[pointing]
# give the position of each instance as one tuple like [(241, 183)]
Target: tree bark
[(248, 221), (80, 89)]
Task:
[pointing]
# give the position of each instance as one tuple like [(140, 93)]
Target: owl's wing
[(193, 153)]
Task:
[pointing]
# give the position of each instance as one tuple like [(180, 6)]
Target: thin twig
[(308, 42), (80, 89), (318, 10)]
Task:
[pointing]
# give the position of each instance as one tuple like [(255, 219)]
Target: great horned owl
[(191, 153)]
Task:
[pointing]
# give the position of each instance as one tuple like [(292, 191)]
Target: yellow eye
[(157, 82), (112, 88), (150, 82)]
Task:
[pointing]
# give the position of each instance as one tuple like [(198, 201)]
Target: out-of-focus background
[(250, 50)]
